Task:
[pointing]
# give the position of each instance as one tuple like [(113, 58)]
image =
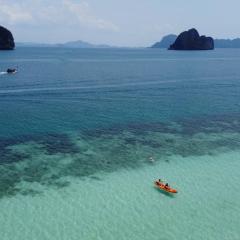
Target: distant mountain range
[(219, 43), (165, 42), (73, 44), (227, 43)]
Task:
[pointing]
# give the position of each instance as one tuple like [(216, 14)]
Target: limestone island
[(6, 39), (191, 40)]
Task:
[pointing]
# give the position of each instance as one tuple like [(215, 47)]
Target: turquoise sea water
[(79, 129)]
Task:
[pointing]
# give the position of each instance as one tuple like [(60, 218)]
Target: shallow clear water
[(84, 133)]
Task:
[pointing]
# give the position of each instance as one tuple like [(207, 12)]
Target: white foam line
[(76, 88), (109, 86)]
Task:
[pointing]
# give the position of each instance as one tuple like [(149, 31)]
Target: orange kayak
[(164, 188)]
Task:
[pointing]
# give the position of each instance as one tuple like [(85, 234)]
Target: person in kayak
[(159, 180), (166, 186)]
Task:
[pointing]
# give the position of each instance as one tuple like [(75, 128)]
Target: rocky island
[(191, 40), (6, 39)]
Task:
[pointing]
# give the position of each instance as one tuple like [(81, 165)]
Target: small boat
[(11, 70), (165, 188)]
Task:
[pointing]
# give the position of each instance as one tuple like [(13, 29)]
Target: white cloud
[(13, 13), (82, 12), (50, 13)]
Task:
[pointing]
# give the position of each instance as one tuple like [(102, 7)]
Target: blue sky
[(122, 23)]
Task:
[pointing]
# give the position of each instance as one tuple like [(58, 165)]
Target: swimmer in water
[(151, 159)]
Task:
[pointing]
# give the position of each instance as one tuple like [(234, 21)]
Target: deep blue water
[(58, 90)]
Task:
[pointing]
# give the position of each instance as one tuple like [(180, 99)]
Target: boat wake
[(3, 73)]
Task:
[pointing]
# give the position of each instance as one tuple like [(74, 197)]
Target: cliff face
[(6, 39), (191, 40)]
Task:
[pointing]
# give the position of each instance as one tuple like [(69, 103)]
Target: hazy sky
[(122, 22)]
